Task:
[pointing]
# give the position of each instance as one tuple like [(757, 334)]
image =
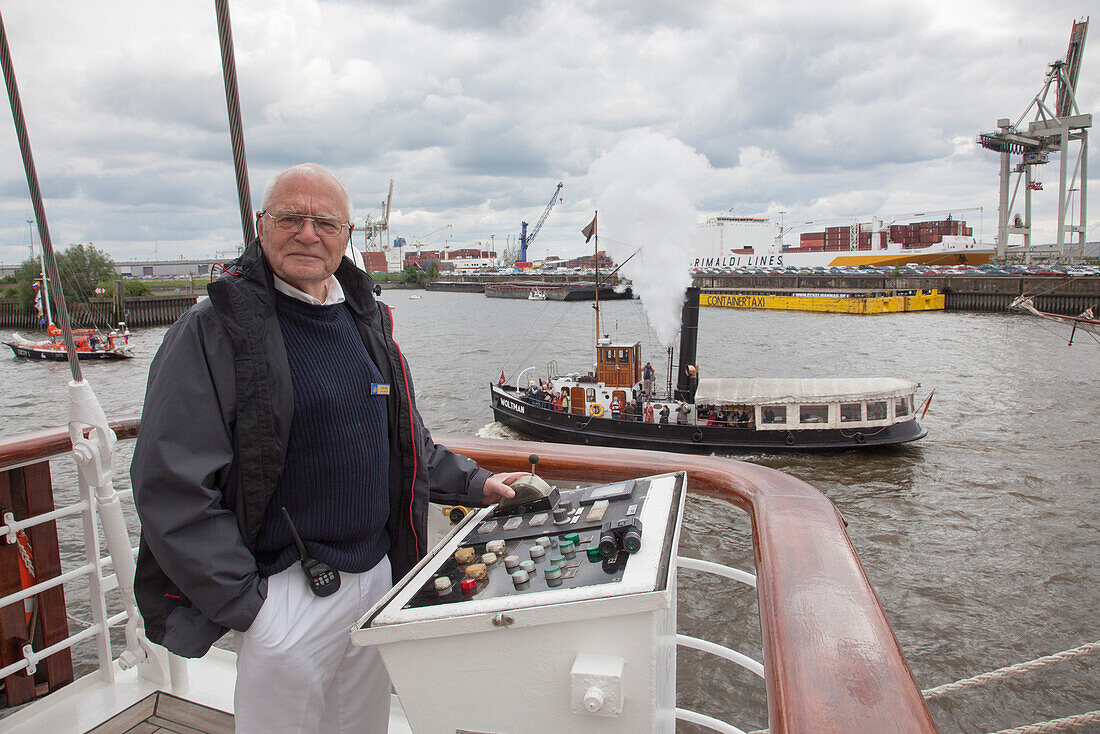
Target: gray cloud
[(477, 109)]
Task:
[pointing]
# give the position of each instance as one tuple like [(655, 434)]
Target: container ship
[(730, 241)]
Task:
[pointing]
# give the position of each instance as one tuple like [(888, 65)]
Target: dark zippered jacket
[(212, 445)]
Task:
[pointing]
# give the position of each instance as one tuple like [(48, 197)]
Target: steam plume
[(646, 190)]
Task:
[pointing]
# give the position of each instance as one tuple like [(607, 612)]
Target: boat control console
[(558, 605)]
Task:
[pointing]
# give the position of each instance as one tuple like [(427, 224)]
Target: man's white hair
[(311, 169)]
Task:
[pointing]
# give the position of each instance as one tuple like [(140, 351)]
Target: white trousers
[(297, 670)]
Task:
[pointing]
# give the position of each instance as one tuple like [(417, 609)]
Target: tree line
[(82, 268)]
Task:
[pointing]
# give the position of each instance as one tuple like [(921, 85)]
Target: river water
[(981, 540)]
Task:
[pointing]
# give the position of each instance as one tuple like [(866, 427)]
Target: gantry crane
[(376, 231), (1051, 131), (525, 239)]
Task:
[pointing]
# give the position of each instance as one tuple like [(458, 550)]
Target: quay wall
[(138, 311)]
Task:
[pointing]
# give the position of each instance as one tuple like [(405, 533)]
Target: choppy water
[(981, 540)]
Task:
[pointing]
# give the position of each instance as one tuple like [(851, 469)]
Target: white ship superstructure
[(756, 242)]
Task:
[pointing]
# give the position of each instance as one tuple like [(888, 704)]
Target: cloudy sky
[(478, 108)]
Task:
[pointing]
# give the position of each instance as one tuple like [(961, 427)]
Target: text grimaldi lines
[(738, 261)]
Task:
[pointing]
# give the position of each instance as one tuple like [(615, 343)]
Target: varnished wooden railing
[(832, 663)]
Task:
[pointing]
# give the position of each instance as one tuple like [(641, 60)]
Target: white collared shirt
[(333, 292)]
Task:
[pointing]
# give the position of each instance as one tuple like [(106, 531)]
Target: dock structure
[(1056, 294)]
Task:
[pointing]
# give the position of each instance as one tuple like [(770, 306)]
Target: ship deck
[(129, 704)]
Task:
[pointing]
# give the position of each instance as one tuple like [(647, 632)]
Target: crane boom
[(525, 239)]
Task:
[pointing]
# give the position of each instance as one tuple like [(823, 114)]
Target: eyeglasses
[(293, 223)]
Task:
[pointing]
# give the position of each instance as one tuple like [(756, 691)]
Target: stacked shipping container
[(911, 236)]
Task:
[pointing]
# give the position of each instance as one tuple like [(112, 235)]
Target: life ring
[(697, 436), (859, 437), (790, 439), (26, 572), (596, 410)]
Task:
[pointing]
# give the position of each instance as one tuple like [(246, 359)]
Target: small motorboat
[(90, 344)]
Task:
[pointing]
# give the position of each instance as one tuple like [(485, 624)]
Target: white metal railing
[(713, 648), (99, 507)]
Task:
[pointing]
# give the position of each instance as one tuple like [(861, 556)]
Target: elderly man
[(282, 404)]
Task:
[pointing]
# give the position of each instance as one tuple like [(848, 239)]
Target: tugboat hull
[(549, 425)]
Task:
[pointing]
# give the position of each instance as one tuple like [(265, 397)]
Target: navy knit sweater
[(335, 482)]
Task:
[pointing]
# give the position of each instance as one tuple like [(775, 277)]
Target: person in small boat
[(285, 391)]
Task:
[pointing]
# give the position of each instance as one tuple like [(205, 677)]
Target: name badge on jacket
[(378, 388)]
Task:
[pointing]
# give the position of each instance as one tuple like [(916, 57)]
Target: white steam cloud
[(648, 186)]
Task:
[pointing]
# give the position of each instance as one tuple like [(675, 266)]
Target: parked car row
[(1014, 270)]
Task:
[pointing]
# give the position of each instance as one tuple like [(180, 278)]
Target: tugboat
[(708, 415)]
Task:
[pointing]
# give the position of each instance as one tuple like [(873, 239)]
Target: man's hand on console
[(496, 487)]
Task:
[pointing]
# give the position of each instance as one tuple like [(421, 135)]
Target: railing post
[(94, 460), (96, 599)]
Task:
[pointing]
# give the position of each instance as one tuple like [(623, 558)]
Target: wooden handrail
[(831, 661)]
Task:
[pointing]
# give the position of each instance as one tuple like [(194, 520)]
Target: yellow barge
[(860, 303)]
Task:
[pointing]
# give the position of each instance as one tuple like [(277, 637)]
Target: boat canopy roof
[(727, 391)]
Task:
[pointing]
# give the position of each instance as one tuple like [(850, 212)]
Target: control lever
[(531, 494), (323, 578)]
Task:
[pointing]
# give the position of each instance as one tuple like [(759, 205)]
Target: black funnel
[(689, 339)]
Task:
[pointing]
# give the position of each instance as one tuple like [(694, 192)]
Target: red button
[(469, 586)]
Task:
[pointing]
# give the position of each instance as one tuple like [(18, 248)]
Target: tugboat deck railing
[(831, 661)]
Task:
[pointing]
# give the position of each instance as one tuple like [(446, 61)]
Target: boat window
[(876, 411), (609, 356), (813, 414), (850, 412), (773, 414), (901, 406), (590, 395), (624, 356)]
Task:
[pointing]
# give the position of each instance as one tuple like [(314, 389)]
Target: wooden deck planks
[(163, 713)]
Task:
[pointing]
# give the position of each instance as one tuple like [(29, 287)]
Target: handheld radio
[(323, 578)]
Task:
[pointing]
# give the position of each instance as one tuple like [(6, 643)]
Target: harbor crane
[(376, 231), (525, 239), (1052, 130)]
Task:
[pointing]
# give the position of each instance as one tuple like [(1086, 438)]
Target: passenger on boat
[(565, 401), (692, 380), (556, 402), (647, 411), (616, 408), (285, 389), (682, 413), (630, 412), (647, 379), (664, 415)]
